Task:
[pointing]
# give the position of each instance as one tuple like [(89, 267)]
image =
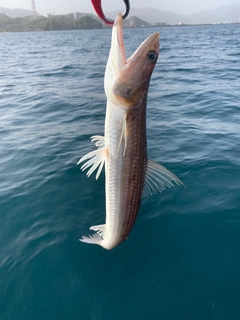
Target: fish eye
[(152, 56)]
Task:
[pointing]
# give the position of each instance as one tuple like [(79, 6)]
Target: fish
[(122, 151)]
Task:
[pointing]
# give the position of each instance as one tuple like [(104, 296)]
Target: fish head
[(127, 80)]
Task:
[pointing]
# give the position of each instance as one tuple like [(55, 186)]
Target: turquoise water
[(181, 260)]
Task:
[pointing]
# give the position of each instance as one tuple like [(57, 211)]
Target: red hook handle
[(98, 8)]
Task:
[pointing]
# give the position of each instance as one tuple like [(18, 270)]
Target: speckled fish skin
[(123, 149)]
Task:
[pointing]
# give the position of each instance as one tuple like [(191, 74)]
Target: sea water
[(182, 258)]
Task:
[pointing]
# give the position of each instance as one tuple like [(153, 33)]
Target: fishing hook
[(98, 8)]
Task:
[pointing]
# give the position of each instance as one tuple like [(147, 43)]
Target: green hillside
[(61, 22)]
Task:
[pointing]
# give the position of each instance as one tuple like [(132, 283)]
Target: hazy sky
[(67, 6)]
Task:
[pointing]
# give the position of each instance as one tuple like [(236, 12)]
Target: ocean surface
[(182, 258)]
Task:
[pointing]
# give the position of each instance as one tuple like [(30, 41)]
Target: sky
[(67, 6)]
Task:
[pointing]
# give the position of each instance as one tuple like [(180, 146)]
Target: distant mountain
[(153, 16), (46, 24), (79, 15), (135, 22), (229, 13), (16, 13)]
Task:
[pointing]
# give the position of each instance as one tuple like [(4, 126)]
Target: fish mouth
[(151, 43), (126, 80), (119, 43)]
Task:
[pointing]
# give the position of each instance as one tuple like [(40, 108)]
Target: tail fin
[(97, 237), (93, 239)]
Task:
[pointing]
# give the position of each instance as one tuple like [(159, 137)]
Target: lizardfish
[(129, 175)]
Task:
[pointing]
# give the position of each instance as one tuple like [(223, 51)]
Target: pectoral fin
[(158, 178), (123, 136), (96, 158)]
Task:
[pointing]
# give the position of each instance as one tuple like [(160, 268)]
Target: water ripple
[(185, 243)]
